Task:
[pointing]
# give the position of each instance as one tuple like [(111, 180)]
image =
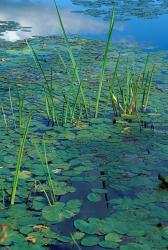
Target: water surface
[(146, 22)]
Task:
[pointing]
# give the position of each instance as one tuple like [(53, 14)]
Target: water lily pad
[(78, 235), (54, 213), (74, 203), (85, 227), (113, 237), (90, 241), (26, 230), (94, 197), (108, 244)]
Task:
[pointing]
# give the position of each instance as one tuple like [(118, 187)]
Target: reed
[(19, 161), (133, 95), (48, 88), (128, 95), (44, 162), (46, 194), (74, 66), (4, 118), (12, 109), (2, 190), (104, 61), (20, 109)]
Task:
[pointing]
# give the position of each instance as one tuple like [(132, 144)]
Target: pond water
[(83, 183), (146, 24)]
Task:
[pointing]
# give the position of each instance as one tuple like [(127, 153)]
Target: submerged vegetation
[(83, 146)]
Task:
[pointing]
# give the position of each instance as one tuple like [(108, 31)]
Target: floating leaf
[(90, 241), (108, 244), (94, 197), (113, 237)]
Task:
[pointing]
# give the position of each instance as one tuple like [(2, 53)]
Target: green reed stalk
[(38, 64), (68, 108), (113, 97), (3, 192), (44, 162), (19, 161), (45, 193), (20, 107), (114, 101), (102, 74), (65, 110), (74, 64), (148, 90), (48, 88), (145, 69), (134, 96), (71, 79), (4, 118), (11, 105), (47, 108), (75, 242)]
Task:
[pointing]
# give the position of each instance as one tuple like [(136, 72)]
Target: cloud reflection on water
[(42, 18)]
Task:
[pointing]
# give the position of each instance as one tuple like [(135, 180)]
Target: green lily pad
[(108, 244), (78, 235), (85, 227), (54, 213), (94, 197), (74, 203), (90, 241), (113, 237), (26, 230), (63, 238)]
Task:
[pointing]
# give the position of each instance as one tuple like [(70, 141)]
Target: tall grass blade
[(12, 110), (48, 88), (4, 118), (104, 63), (74, 64), (19, 161), (148, 89), (44, 162)]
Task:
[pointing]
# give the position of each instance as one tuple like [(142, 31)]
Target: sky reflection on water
[(41, 16)]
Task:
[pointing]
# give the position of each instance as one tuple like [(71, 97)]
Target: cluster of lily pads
[(124, 10), (105, 179)]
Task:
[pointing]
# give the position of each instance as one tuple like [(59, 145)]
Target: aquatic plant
[(2, 192), (104, 61), (128, 95), (44, 161), (74, 65), (11, 106), (131, 94), (21, 100), (48, 88), (19, 161), (4, 118)]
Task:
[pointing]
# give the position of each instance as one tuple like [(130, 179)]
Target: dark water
[(146, 24)]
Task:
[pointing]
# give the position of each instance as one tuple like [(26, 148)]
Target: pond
[(84, 125)]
